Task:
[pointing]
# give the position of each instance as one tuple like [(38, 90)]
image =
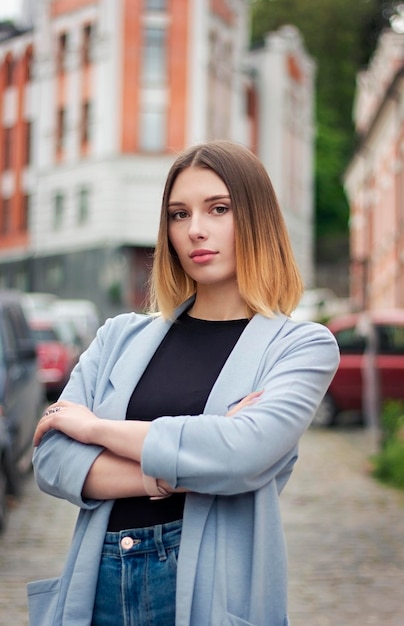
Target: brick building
[(97, 96), (374, 180)]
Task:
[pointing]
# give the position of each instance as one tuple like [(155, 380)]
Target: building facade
[(285, 80), (96, 99), (374, 180)]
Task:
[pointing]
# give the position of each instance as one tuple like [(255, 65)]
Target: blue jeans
[(137, 577)]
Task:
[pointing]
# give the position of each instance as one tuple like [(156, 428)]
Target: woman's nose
[(197, 230)]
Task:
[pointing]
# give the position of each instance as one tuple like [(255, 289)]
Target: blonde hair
[(267, 275)]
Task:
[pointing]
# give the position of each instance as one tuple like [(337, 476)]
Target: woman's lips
[(202, 256)]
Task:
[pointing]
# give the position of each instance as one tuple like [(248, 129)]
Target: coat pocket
[(232, 620), (42, 601)]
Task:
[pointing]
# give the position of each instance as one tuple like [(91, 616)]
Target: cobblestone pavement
[(33, 547), (345, 535)]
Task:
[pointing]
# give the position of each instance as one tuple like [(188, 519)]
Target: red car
[(56, 358), (364, 338)]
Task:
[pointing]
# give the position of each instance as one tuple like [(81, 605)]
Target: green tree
[(340, 35)]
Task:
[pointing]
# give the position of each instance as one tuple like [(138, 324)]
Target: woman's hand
[(247, 401), (122, 437), (74, 420)]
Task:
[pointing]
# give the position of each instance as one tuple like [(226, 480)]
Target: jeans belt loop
[(158, 540)]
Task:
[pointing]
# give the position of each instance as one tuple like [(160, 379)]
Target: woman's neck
[(218, 305)]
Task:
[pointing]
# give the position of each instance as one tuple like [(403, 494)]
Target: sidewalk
[(345, 535), (33, 547)]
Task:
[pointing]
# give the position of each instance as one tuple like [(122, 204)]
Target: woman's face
[(201, 226)]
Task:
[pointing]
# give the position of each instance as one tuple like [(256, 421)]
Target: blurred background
[(97, 96), (96, 99)]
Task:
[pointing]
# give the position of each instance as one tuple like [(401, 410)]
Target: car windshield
[(391, 339), (349, 341), (45, 334)]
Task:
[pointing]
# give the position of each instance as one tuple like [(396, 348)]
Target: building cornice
[(392, 93)]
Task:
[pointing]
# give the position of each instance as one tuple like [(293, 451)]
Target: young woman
[(178, 430)]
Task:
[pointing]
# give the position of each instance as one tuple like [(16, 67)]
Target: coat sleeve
[(224, 456), (61, 464)]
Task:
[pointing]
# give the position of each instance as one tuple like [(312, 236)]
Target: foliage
[(389, 462), (340, 35), (333, 213)]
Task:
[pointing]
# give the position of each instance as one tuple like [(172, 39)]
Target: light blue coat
[(232, 564)]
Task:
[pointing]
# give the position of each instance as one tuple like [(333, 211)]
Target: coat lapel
[(133, 360), (239, 374), (236, 380)]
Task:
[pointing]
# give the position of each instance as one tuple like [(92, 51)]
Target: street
[(345, 534)]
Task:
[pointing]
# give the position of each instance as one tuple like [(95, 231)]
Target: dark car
[(354, 332), (4, 472), (21, 392)]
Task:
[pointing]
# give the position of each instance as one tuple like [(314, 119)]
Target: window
[(350, 341), (28, 64), (26, 203), (391, 339), (45, 334), (28, 142), (83, 205), (54, 274), (10, 337), (21, 279), (19, 327), (152, 131), (6, 216), (60, 129), (61, 52), (58, 210), (154, 56), (9, 70), (8, 140), (85, 122), (86, 49), (155, 5)]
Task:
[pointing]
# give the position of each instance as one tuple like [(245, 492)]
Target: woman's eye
[(178, 215), (220, 210)]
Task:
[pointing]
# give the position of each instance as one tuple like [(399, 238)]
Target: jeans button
[(127, 543)]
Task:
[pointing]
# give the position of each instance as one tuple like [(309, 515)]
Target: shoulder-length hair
[(267, 275)]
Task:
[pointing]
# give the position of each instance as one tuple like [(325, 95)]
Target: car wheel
[(3, 496), (326, 414)]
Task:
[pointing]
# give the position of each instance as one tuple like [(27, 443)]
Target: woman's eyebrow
[(218, 197), (174, 203)]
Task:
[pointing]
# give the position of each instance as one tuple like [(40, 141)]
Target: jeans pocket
[(42, 601), (172, 555)]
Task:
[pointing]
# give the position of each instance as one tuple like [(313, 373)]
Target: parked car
[(57, 353), (4, 472), (21, 392), (353, 333), (82, 313), (37, 303)]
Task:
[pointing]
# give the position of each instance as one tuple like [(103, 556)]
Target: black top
[(177, 381)]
